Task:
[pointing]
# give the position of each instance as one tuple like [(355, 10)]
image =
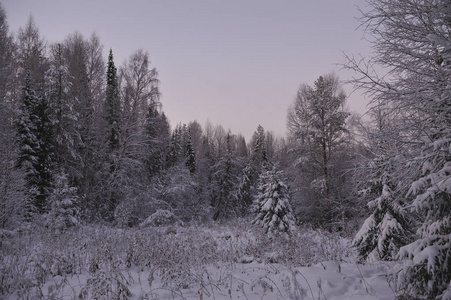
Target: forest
[(102, 198)]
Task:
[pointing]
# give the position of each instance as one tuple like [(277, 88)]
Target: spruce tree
[(35, 142), (157, 131), (272, 203), (411, 42), (259, 155), (386, 229), (175, 153), (224, 182), (245, 191), (112, 105), (111, 194), (64, 211), (190, 156)]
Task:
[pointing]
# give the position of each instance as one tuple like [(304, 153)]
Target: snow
[(236, 261)]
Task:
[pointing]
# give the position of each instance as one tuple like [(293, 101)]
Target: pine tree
[(272, 204), (35, 142), (112, 105)]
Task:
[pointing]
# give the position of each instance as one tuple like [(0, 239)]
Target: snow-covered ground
[(228, 261)]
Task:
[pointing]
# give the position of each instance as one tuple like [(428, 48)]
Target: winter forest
[(102, 197)]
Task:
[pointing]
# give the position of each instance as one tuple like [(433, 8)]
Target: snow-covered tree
[(112, 108), (386, 229), (158, 137), (175, 154), (64, 210), (316, 120), (259, 156), (7, 60), (35, 142), (412, 42), (62, 113), (190, 156), (245, 189), (31, 53), (272, 203), (430, 254), (223, 199), (11, 179)]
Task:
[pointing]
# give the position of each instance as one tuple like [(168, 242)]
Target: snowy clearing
[(210, 262)]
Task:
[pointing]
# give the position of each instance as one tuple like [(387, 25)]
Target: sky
[(235, 63)]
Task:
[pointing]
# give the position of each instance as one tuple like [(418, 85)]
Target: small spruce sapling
[(64, 212), (272, 203)]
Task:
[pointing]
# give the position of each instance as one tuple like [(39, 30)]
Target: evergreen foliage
[(386, 229), (223, 198), (429, 255), (245, 190), (412, 43), (64, 211), (272, 204), (158, 136), (190, 156), (112, 105), (35, 142)]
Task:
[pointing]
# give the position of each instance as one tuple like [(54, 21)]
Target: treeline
[(84, 140)]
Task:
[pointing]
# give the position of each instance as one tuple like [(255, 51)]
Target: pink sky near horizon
[(235, 63)]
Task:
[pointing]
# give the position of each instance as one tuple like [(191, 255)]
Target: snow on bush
[(159, 218), (95, 262)]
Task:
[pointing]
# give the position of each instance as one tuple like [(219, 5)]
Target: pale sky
[(236, 63)]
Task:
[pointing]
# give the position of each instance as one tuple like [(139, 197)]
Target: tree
[(35, 142), (272, 204), (138, 94), (386, 229), (7, 59), (223, 198), (139, 91), (95, 65), (175, 154), (190, 156), (64, 211), (31, 53), (112, 108), (245, 190), (259, 155), (412, 42), (83, 164), (11, 179), (158, 137), (317, 121), (62, 113)]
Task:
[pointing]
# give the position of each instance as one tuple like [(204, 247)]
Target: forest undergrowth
[(89, 262)]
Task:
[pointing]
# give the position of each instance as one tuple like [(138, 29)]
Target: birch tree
[(412, 42)]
